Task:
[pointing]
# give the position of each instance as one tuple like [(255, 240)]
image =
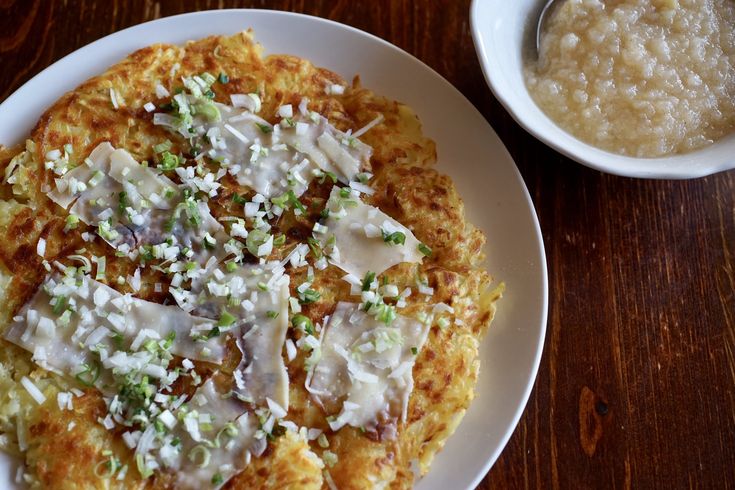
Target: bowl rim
[(584, 153)]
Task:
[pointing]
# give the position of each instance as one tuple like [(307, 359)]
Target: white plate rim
[(537, 262)]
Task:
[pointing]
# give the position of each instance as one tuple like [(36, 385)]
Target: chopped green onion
[(330, 458), (192, 210), (101, 269), (96, 178), (169, 340), (310, 296), (279, 240), (364, 177), (168, 161), (424, 249), (59, 305), (161, 147), (322, 440), (315, 247), (90, 375), (226, 319), (264, 128), (208, 78), (200, 455), (106, 231), (231, 266), (287, 200), (255, 239), (117, 338), (208, 109), (217, 479), (230, 430), (303, 323), (223, 78), (369, 278), (395, 238), (329, 175), (122, 202), (110, 467), (238, 199), (414, 350), (72, 221), (272, 314), (387, 315), (144, 471)]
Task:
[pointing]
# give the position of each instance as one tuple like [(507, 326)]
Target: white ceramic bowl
[(501, 31)]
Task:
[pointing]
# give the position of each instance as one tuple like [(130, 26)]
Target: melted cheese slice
[(107, 321), (275, 159), (229, 458), (357, 229), (331, 149), (151, 196), (117, 172), (260, 295), (64, 194), (241, 138), (364, 376)]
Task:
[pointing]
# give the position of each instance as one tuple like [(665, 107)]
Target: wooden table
[(637, 382)]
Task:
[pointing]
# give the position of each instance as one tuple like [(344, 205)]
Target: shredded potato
[(65, 446)]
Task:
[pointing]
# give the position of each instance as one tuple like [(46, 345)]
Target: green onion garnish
[(238, 199), (279, 240), (90, 374), (395, 238), (161, 147), (72, 221), (264, 128), (329, 175), (310, 296), (226, 319), (424, 249), (168, 161), (59, 305), (122, 202), (303, 322), (369, 278), (200, 455), (315, 247), (255, 239)]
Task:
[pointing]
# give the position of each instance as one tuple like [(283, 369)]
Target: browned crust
[(408, 188)]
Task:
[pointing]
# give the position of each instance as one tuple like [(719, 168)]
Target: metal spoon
[(546, 13)]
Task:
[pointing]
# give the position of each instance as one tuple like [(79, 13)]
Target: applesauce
[(643, 78)]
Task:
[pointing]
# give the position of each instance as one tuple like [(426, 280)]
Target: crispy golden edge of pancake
[(288, 463), (407, 188)]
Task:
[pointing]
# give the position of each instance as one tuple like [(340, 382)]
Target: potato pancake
[(211, 276)]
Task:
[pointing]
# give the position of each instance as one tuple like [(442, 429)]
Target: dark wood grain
[(637, 383)]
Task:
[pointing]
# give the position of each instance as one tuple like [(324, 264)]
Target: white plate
[(469, 151), (501, 31)]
